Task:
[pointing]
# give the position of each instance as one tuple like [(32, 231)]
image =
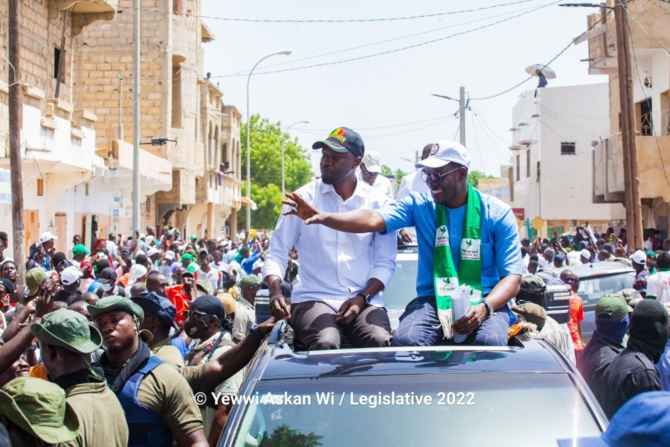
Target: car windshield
[(594, 288), (402, 288), (464, 410)]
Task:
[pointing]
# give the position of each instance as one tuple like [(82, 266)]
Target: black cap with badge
[(342, 140)]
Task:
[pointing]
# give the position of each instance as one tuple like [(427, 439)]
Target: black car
[(455, 395)]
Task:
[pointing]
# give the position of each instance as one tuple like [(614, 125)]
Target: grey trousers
[(314, 325)]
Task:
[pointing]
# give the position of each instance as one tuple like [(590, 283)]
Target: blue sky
[(387, 98)]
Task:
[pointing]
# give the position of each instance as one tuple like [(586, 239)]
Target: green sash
[(446, 279)]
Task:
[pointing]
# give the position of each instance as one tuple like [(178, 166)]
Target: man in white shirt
[(658, 284), (412, 183), (369, 170), (342, 274)]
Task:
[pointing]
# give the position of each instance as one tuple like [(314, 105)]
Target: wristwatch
[(489, 307), (367, 297)]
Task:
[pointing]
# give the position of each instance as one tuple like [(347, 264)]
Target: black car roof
[(536, 356)]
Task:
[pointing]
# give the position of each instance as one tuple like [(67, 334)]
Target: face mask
[(195, 328), (106, 287)]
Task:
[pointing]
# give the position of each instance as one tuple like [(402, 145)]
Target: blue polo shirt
[(500, 247)]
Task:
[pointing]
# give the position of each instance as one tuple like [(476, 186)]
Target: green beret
[(113, 303), (248, 281)]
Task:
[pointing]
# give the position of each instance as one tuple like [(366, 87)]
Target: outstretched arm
[(357, 221)]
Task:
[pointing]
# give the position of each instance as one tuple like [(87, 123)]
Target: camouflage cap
[(113, 303), (533, 313), (533, 284)]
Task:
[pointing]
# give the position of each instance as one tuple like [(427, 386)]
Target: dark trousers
[(314, 325), (420, 326)]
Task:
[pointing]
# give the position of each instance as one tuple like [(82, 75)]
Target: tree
[(284, 436), (386, 170), (266, 144), (475, 176), (399, 174)]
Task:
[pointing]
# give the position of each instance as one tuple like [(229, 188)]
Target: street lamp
[(283, 53), (283, 178)]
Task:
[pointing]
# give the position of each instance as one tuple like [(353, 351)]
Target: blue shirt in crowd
[(500, 248)]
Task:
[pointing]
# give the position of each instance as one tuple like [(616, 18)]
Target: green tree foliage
[(474, 176), (283, 436), (386, 170), (399, 174), (266, 143)]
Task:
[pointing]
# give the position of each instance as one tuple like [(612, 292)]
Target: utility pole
[(461, 115), (136, 121), (14, 10), (629, 147)]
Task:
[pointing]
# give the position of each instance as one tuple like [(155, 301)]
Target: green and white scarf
[(446, 279)]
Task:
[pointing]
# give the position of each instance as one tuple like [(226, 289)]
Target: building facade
[(554, 130), (649, 42), (57, 132), (177, 103), (76, 81)]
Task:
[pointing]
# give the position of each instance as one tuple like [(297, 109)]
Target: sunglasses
[(194, 314), (434, 177)]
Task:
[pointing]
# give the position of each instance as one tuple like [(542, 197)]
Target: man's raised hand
[(302, 209)]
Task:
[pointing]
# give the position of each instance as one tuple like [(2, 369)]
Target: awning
[(247, 202)]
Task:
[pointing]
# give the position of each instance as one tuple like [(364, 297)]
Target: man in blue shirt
[(445, 172)]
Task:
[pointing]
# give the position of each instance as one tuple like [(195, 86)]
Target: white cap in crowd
[(47, 236), (70, 275), (639, 257), (586, 254), (373, 162)]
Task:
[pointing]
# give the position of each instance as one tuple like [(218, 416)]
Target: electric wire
[(370, 20), (344, 50), (560, 53), (394, 50)]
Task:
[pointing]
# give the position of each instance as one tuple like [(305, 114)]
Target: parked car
[(456, 395), (402, 288), (595, 281)]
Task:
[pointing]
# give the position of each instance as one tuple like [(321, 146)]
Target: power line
[(572, 42), (381, 19), (344, 50), (437, 118), (395, 50)]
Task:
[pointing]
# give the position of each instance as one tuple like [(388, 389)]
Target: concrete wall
[(562, 188)]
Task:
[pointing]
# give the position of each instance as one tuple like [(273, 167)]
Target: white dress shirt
[(412, 183), (334, 266), (381, 184)]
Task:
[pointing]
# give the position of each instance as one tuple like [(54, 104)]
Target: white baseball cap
[(445, 152), (639, 257), (152, 251), (373, 162), (585, 254), (170, 255), (70, 275), (47, 236), (149, 239)]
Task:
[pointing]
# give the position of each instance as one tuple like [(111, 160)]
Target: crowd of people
[(107, 344), (114, 341)]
